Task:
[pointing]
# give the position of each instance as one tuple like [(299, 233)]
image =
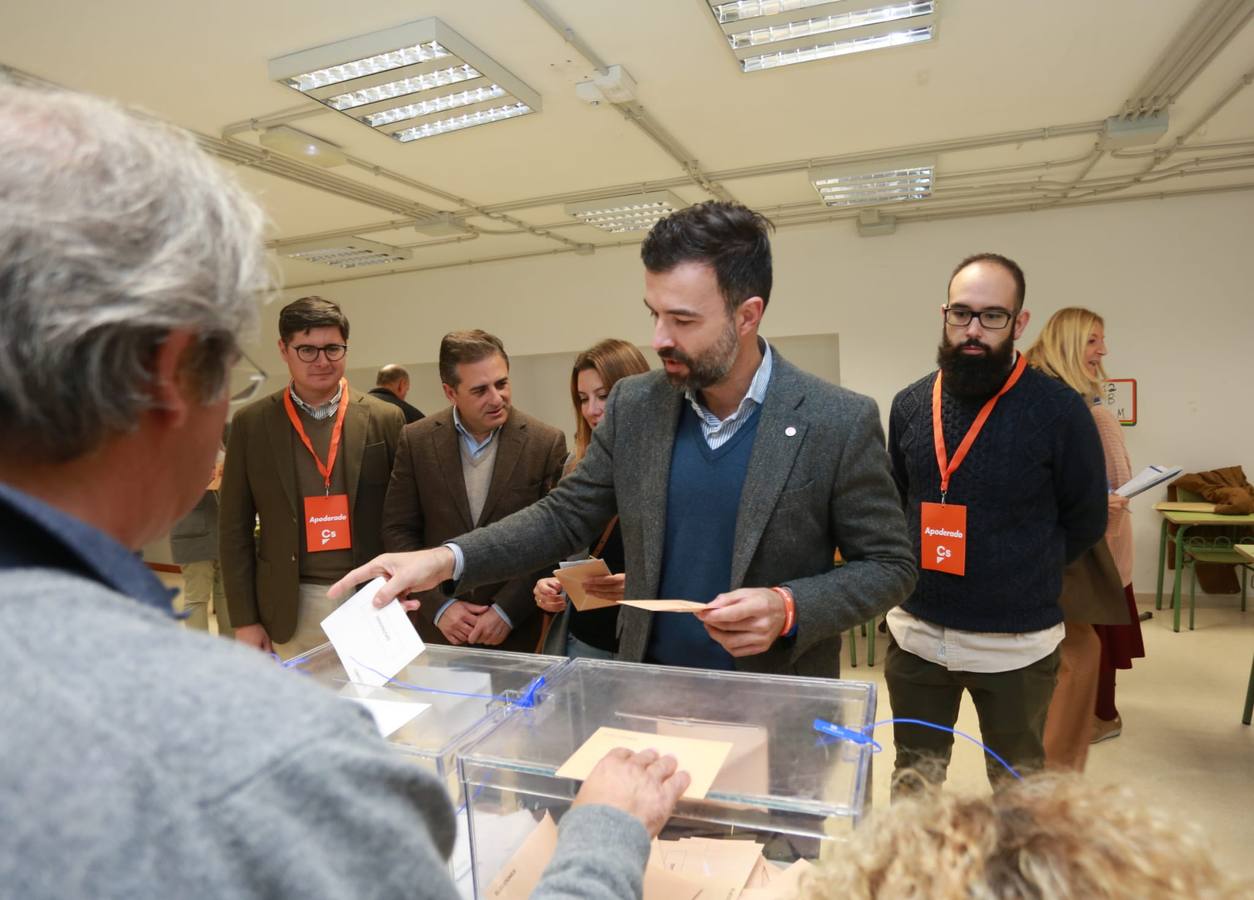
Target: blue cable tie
[(863, 737), (846, 734)]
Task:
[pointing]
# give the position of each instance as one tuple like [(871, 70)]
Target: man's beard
[(974, 377), (708, 368)]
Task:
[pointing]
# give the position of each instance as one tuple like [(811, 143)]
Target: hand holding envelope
[(699, 760), (572, 575)]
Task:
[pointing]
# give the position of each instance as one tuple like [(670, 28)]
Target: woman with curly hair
[(1053, 836)]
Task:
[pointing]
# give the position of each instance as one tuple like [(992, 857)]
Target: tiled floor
[(1183, 745)]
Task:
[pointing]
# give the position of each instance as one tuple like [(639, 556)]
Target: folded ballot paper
[(373, 644), (1147, 478)]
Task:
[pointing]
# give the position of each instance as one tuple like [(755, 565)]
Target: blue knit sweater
[(1034, 484), (702, 504)]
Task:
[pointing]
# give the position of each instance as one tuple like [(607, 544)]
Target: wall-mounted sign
[(1119, 395)]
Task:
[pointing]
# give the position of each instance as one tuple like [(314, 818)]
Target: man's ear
[(1021, 323), (450, 393), (749, 314), (172, 389)]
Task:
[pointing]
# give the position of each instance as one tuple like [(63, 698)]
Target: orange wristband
[(790, 609)]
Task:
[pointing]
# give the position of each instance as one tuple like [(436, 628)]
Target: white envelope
[(373, 644)]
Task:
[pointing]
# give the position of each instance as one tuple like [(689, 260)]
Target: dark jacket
[(412, 413)]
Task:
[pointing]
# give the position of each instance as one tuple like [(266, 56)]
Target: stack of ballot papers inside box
[(691, 868)]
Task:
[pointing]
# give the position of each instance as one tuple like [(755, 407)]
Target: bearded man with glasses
[(1003, 479), (311, 462)]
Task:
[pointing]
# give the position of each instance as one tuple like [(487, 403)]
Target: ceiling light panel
[(768, 34), (345, 253), (875, 183), (633, 212), (409, 82)]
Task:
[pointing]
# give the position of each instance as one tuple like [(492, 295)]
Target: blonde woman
[(1071, 348), (591, 634)]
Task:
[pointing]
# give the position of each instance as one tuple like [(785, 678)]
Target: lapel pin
[(790, 431)]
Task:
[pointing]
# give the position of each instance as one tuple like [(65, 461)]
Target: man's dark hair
[(1021, 287), (732, 239), (310, 312), (459, 347)]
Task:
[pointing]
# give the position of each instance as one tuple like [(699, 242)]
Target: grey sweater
[(141, 760)]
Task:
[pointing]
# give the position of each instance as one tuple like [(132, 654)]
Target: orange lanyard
[(324, 471), (946, 467)]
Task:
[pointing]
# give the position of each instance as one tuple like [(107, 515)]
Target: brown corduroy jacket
[(427, 505)]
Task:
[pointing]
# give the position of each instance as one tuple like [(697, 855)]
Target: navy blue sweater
[(1034, 484), (702, 504)]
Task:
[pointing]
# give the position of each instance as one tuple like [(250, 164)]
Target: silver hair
[(114, 231)]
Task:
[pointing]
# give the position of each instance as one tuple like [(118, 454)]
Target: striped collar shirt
[(718, 432), (322, 410)]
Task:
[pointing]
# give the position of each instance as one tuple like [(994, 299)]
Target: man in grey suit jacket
[(735, 475)]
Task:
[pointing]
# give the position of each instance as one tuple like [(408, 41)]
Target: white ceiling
[(998, 66)]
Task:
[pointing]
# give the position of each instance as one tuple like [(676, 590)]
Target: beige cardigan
[(1118, 471)]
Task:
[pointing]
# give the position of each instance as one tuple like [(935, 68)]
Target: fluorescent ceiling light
[(434, 105), (767, 34), (875, 183), (388, 90), (305, 147), (633, 212), (345, 253), (409, 82), (358, 68), (457, 123)]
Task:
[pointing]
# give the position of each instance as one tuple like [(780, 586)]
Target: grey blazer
[(818, 480)]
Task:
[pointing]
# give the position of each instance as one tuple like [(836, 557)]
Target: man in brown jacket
[(470, 465), (312, 462)]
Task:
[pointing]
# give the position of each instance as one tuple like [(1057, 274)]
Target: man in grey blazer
[(735, 475)]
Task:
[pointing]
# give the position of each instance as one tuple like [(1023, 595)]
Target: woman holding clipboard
[(1071, 348)]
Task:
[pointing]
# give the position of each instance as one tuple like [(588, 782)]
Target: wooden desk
[(1246, 550), (1183, 521)]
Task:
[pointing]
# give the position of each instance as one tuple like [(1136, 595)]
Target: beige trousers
[(314, 607), (1069, 723), (202, 585)]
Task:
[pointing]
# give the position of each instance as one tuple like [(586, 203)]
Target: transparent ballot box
[(466, 691), (777, 782)]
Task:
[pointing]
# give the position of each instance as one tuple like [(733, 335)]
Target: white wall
[(541, 381), (1171, 278)]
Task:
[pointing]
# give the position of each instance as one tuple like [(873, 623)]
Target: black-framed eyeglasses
[(309, 352), (992, 319)]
